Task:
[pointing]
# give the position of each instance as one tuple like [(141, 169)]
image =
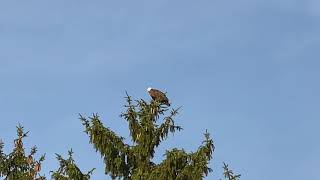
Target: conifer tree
[(18, 165), (149, 124), (68, 169)]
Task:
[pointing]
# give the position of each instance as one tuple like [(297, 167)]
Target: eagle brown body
[(159, 96)]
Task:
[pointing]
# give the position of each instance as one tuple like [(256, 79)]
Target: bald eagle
[(158, 96)]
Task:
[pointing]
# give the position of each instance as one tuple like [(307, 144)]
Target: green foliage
[(134, 161), (229, 173), (149, 123), (17, 165), (68, 170)]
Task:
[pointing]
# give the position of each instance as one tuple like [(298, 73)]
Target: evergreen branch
[(162, 132), (228, 173), (131, 116), (171, 167), (155, 109), (111, 147), (181, 165), (2, 159), (198, 161), (102, 135), (68, 170)]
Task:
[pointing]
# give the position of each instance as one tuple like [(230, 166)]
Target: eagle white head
[(149, 89)]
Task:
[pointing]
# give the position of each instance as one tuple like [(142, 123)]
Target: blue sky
[(248, 71)]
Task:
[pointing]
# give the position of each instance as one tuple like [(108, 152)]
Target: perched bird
[(158, 96)]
